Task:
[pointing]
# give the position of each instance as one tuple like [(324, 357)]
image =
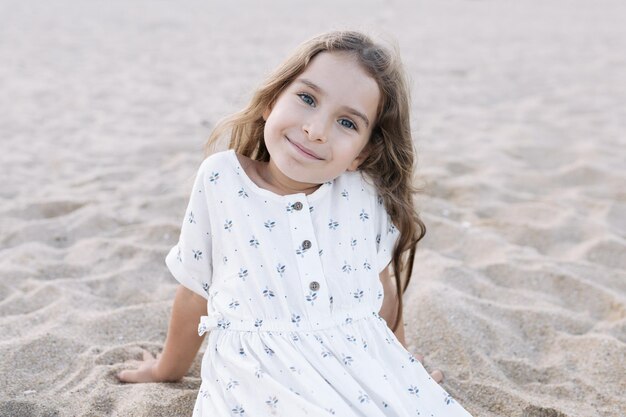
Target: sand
[(519, 290)]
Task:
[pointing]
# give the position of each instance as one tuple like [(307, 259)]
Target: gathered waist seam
[(216, 321)]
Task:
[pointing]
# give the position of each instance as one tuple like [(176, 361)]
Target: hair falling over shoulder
[(391, 161)]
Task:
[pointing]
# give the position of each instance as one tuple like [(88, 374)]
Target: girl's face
[(321, 122)]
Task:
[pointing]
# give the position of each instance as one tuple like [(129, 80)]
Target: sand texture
[(519, 290)]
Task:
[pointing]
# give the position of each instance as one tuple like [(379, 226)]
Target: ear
[(266, 112), (362, 156)]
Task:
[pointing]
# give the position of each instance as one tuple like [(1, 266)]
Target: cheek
[(349, 141), (278, 118), (346, 151)]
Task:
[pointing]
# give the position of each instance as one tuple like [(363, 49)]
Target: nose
[(316, 128)]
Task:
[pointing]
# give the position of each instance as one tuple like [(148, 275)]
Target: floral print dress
[(293, 294)]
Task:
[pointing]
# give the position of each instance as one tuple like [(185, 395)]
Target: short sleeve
[(386, 235), (189, 260)]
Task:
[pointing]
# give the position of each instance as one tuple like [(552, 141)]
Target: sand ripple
[(519, 291)]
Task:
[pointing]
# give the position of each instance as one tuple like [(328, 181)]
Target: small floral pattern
[(293, 295)]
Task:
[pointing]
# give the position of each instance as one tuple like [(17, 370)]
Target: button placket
[(309, 263)]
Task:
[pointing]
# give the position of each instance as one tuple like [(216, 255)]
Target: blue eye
[(347, 123), (307, 99)]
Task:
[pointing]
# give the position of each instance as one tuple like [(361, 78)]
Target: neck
[(284, 185)]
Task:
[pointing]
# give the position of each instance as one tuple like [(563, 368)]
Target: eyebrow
[(349, 109)]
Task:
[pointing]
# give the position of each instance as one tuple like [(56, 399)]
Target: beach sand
[(519, 288)]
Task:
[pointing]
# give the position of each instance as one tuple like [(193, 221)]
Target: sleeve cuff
[(182, 275)]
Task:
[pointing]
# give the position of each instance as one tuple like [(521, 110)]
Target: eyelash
[(352, 125), (305, 96)]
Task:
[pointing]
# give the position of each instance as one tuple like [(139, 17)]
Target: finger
[(127, 376), (136, 375), (437, 375), (147, 355)]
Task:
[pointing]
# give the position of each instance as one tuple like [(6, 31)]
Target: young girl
[(287, 244)]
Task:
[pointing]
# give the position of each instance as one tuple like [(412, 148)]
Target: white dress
[(293, 292)]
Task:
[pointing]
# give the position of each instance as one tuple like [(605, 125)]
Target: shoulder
[(216, 166), (357, 182), (217, 160), (214, 169), (371, 194)]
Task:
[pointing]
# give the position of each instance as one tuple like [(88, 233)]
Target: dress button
[(306, 244), (314, 286), (297, 206)]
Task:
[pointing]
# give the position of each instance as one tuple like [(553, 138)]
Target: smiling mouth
[(304, 151)]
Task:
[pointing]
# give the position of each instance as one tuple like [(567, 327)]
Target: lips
[(304, 149)]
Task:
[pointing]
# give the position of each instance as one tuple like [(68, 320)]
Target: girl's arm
[(181, 344), (390, 304)]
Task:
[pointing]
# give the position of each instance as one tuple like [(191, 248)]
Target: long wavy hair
[(391, 159)]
